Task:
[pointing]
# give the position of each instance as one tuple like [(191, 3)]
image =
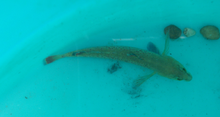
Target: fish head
[(175, 70), (181, 74)]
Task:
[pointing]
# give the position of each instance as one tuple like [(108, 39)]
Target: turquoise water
[(82, 87)]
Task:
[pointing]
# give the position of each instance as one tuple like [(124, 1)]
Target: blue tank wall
[(32, 31)]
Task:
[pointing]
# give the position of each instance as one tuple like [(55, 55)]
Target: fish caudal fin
[(51, 59), (141, 80)]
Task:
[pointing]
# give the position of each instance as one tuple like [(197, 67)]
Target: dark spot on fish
[(131, 54), (184, 69), (151, 47), (114, 67), (77, 53), (26, 97), (179, 79), (134, 55)]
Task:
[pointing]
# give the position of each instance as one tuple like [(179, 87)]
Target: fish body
[(163, 65)]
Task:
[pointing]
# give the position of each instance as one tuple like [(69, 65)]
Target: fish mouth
[(189, 77)]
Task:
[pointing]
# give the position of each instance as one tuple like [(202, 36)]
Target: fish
[(161, 64)]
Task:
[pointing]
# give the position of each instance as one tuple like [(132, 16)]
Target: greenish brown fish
[(161, 64)]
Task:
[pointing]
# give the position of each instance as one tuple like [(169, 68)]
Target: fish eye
[(179, 78), (184, 69)]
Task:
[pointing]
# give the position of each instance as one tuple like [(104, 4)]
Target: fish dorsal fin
[(151, 47), (166, 48)]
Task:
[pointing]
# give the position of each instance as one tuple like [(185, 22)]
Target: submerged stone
[(175, 32), (210, 32), (188, 32)]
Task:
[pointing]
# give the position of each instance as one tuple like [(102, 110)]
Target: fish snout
[(188, 77)]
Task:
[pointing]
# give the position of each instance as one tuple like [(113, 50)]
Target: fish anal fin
[(138, 82)]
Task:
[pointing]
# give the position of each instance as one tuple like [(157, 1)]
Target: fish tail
[(51, 59)]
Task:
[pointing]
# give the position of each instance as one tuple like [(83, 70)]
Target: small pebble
[(189, 32), (175, 32), (210, 32)]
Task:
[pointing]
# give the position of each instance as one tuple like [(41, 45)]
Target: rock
[(210, 32), (189, 32), (175, 32)]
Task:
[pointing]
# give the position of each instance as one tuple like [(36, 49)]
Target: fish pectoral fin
[(166, 48), (141, 80), (151, 47)]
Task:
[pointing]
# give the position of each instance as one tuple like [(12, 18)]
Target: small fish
[(161, 64)]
